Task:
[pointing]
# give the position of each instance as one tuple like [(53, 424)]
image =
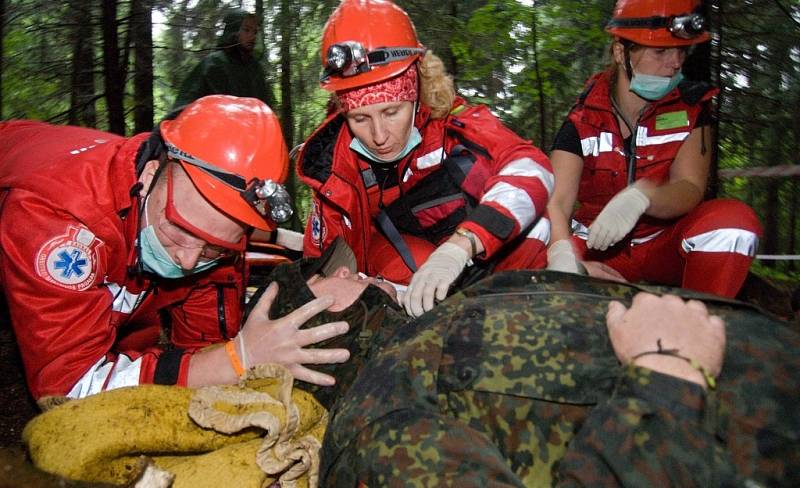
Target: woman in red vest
[(635, 154)]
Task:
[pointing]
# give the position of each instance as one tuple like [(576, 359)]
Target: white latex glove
[(433, 278), (282, 340), (561, 257), (617, 218), (289, 239)]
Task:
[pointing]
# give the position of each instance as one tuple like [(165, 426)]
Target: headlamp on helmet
[(350, 58), (267, 197), (687, 26), (267, 194)]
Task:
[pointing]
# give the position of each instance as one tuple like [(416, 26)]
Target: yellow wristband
[(235, 362)]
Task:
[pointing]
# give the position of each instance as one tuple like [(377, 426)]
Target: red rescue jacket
[(84, 319), (510, 179)]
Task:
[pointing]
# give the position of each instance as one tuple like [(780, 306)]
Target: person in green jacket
[(232, 69)]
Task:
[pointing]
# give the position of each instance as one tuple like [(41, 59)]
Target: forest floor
[(17, 407)]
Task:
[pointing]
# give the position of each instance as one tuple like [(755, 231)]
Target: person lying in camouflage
[(537, 378)]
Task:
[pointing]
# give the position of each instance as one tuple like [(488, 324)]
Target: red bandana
[(401, 88)]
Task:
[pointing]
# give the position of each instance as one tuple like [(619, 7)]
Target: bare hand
[(282, 341), (682, 326)]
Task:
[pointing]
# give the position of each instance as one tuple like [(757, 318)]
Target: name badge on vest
[(672, 120)]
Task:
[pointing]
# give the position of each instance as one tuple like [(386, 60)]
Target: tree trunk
[(82, 109), (114, 80), (264, 58), (287, 22), (287, 26), (142, 31), (539, 84)]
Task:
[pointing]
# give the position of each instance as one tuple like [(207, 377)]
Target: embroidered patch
[(70, 260), (318, 230)]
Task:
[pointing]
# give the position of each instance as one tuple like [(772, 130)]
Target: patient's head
[(345, 286)]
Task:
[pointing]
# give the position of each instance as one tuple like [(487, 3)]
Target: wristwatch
[(473, 239)]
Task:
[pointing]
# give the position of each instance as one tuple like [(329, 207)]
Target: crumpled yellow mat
[(247, 435)]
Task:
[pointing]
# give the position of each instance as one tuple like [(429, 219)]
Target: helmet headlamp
[(350, 58)]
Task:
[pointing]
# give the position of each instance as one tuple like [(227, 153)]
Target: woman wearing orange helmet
[(103, 237), (403, 155), (634, 154)]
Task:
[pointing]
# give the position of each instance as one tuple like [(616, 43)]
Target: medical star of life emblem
[(318, 230), (69, 260)]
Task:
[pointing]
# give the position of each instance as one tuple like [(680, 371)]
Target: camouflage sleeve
[(651, 432)]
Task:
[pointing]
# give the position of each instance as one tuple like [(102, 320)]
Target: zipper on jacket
[(223, 323)]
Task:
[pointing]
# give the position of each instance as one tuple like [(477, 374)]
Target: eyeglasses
[(270, 199), (686, 26), (184, 234), (350, 58)]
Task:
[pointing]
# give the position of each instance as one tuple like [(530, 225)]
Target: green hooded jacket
[(227, 70)]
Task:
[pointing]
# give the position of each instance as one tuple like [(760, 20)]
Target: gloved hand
[(617, 218), (561, 257), (282, 340), (433, 278), (289, 239)]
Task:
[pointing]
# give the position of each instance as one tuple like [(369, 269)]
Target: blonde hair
[(437, 90)]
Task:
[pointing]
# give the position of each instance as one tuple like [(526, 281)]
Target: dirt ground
[(17, 407)]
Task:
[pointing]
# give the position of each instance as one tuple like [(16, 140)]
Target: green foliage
[(528, 60)]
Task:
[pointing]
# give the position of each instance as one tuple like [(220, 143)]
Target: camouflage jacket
[(513, 382)]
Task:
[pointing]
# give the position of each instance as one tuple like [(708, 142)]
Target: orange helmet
[(365, 42), (659, 23), (233, 150)]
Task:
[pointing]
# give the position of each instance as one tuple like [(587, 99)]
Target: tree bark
[(142, 31), (539, 84), (113, 77), (287, 25), (82, 109)]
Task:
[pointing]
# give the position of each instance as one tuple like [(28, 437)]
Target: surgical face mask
[(652, 87), (414, 139), (156, 259)]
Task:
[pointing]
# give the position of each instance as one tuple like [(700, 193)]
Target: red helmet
[(384, 260), (659, 23), (231, 148), (365, 42)]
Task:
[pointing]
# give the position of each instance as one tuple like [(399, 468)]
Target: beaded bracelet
[(709, 378)]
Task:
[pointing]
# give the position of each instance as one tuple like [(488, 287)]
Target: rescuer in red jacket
[(403, 155), (121, 258), (634, 153)]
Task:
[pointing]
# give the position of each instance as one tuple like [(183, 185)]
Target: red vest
[(657, 137)]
